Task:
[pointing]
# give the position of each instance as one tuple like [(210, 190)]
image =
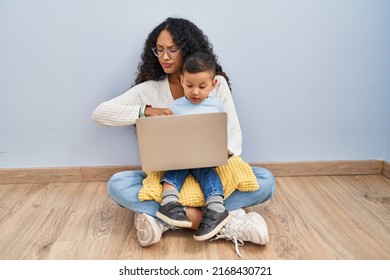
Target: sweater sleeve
[(234, 130), (124, 109), (120, 111)]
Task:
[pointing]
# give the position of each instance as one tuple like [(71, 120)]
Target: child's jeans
[(207, 178)]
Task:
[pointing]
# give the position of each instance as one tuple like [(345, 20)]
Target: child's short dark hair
[(199, 62)]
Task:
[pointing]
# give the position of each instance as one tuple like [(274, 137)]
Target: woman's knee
[(121, 185), (116, 181), (266, 180)]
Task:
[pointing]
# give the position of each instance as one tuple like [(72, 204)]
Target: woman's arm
[(119, 111), (234, 130), (124, 109)]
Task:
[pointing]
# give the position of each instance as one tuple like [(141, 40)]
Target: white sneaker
[(237, 213), (245, 227), (261, 236), (149, 229)]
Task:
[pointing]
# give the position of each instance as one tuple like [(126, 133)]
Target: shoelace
[(234, 235)]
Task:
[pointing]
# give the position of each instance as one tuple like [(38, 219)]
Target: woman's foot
[(149, 229), (243, 227)]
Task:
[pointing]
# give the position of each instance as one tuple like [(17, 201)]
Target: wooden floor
[(322, 217)]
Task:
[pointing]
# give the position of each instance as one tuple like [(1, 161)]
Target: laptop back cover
[(182, 141)]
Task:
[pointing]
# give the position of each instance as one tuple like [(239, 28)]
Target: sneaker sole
[(144, 230), (214, 231), (169, 221)]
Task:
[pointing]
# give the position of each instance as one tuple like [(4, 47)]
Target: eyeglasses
[(159, 52)]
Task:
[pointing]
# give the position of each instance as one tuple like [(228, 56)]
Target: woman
[(156, 86)]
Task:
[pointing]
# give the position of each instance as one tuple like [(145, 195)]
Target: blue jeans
[(123, 187), (207, 178)]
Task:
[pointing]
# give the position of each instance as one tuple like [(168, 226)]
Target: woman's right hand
[(154, 112)]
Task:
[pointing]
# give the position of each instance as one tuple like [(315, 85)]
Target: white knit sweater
[(124, 109)]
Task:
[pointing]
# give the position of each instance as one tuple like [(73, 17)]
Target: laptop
[(182, 141)]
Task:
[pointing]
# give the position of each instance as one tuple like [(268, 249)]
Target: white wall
[(310, 78), (387, 155)]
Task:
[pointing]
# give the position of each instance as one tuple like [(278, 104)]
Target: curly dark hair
[(188, 37)]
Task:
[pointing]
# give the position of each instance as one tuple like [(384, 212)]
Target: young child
[(198, 80)]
